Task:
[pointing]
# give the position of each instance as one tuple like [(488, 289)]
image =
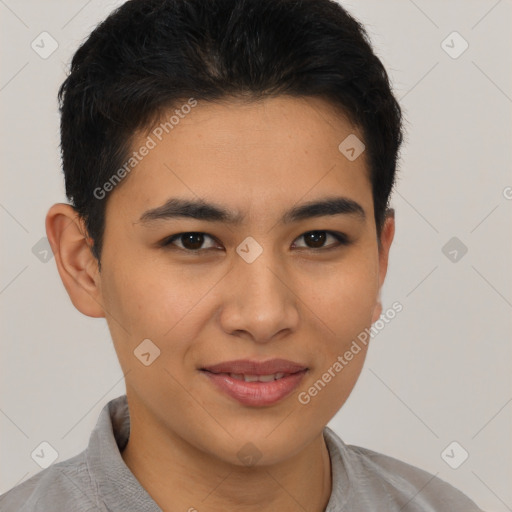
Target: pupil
[(188, 238), (317, 237)]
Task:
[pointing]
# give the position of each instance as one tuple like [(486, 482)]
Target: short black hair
[(149, 55)]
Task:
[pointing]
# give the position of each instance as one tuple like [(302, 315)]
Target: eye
[(191, 241), (316, 239)]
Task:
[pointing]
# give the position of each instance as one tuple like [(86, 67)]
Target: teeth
[(257, 378)]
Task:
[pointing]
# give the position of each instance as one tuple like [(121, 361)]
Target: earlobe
[(377, 310), (77, 266)]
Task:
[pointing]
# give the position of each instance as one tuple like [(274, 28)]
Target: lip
[(256, 394), (252, 367)]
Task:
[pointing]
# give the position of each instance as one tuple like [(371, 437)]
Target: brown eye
[(191, 241), (316, 239)]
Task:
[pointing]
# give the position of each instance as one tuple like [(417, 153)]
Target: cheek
[(157, 302), (346, 308), (345, 298), (148, 296)]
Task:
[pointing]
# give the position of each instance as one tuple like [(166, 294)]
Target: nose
[(261, 303)]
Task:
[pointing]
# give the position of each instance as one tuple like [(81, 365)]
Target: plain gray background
[(439, 372)]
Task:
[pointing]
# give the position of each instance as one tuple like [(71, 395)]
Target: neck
[(178, 476)]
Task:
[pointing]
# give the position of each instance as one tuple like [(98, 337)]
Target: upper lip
[(248, 367)]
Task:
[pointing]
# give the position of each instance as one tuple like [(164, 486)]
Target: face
[(263, 286)]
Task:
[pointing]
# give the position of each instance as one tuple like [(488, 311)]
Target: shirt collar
[(340, 480), (116, 484), (121, 491)]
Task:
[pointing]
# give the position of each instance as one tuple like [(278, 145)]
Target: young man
[(229, 164)]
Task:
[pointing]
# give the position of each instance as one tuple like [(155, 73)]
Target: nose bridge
[(258, 276), (260, 303)]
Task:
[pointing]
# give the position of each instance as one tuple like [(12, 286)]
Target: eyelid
[(341, 238)]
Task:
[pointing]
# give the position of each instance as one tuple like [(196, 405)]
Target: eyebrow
[(211, 212)]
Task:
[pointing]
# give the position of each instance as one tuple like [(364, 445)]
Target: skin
[(259, 158)]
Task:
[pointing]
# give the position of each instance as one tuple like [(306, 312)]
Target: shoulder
[(397, 484), (62, 486)]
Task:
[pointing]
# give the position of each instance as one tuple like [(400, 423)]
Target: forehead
[(246, 155)]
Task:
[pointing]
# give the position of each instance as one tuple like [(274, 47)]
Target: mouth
[(256, 383), (254, 378)]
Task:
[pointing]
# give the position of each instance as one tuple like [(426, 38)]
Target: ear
[(77, 266), (386, 237)]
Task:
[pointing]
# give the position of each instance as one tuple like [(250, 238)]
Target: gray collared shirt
[(97, 479)]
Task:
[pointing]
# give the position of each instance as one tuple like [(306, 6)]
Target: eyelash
[(341, 238)]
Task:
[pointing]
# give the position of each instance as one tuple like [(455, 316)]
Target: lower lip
[(256, 394)]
